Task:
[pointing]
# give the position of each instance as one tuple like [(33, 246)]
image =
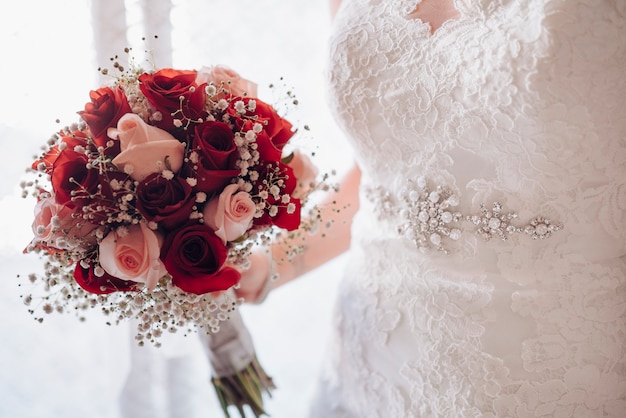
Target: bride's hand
[(266, 273), (254, 283)]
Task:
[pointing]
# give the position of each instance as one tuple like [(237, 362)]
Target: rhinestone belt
[(430, 220)]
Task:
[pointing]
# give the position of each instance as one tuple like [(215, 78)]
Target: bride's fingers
[(253, 278)]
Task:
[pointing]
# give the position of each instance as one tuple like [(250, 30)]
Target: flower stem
[(245, 387)]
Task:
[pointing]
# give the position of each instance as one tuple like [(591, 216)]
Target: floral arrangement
[(150, 205)]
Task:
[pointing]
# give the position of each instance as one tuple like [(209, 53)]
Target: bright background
[(64, 368)]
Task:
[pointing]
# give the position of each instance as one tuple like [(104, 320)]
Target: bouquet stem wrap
[(238, 378)]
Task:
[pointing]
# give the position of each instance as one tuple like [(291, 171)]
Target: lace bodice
[(530, 107), (515, 102)]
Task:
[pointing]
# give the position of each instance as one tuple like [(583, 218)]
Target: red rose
[(108, 200), (66, 141), (217, 156), (287, 213), (74, 183), (278, 130), (167, 202), (106, 108), (268, 152), (194, 256), (87, 279), (165, 88)]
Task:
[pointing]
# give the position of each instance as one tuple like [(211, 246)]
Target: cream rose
[(230, 215), (132, 253), (54, 226), (305, 172), (233, 82), (145, 149)]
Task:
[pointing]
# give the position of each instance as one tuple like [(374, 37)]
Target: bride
[(486, 214)]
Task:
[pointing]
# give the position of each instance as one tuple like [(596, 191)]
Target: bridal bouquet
[(149, 207)]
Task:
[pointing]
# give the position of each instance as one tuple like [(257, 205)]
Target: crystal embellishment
[(430, 219)]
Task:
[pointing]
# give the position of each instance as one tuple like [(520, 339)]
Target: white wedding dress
[(487, 276)]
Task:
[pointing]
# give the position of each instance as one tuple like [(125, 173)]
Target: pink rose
[(230, 215), (145, 149), (55, 227), (233, 82), (133, 254), (305, 172)]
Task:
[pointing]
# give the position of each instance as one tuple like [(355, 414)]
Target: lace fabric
[(519, 102)]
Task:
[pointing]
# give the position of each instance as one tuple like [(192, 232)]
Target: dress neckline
[(423, 28), (428, 12)]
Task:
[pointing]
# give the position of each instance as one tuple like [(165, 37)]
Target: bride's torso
[(516, 102)]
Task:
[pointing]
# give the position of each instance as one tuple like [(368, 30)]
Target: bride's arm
[(337, 211), (332, 239), (334, 6)]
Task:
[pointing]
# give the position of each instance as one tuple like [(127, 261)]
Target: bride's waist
[(384, 242), (435, 223)]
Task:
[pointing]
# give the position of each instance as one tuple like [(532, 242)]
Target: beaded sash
[(430, 221)]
